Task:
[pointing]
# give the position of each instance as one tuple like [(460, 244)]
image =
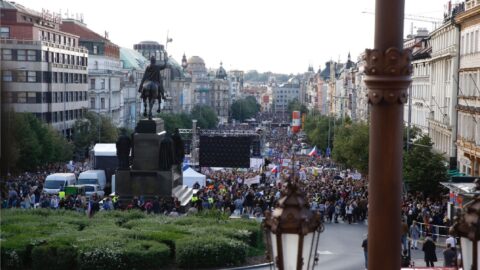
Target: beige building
[(468, 138), (44, 70)]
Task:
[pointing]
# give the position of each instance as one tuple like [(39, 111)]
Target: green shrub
[(54, 256), (210, 251), (102, 258), (16, 251), (168, 238), (253, 227), (144, 254)]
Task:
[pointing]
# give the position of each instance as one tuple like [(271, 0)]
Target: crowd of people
[(26, 190)]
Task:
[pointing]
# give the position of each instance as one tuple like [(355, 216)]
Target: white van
[(56, 182), (93, 177)]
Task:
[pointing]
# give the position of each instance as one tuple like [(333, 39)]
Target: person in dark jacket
[(429, 251), (450, 256)]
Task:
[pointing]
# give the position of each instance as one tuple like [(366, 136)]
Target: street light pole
[(388, 70)]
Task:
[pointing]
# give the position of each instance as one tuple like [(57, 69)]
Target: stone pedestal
[(144, 178)]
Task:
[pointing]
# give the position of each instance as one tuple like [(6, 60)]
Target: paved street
[(340, 248)]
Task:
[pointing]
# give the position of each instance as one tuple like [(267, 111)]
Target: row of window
[(42, 77), (470, 42), (469, 84), (93, 101), (45, 97), (54, 117), (43, 56), (56, 38)]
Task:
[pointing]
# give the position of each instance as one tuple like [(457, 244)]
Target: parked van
[(54, 183), (93, 177)]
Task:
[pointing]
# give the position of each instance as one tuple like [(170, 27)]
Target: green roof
[(132, 59)]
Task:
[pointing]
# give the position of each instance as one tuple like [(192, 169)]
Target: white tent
[(190, 177)]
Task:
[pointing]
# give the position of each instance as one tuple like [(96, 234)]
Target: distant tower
[(184, 61)]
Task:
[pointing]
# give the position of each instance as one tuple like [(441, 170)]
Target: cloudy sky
[(266, 35)]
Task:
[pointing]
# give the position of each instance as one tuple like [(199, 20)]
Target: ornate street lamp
[(292, 231), (467, 227)]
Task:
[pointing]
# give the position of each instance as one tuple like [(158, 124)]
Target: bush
[(168, 238), (104, 258), (146, 255), (210, 251), (54, 256), (16, 251)]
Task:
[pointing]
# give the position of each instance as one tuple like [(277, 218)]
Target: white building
[(104, 71), (285, 93), (442, 118)]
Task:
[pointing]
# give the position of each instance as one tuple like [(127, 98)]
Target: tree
[(350, 146), (423, 169), (295, 105), (30, 143), (205, 116), (172, 121), (320, 129), (92, 129), (244, 108)]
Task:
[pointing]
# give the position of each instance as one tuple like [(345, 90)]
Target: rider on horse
[(151, 85)]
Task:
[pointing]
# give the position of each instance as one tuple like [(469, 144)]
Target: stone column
[(388, 70)]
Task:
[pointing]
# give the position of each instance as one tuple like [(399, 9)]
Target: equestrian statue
[(151, 86)]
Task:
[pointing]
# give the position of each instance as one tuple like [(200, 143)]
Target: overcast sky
[(277, 35)]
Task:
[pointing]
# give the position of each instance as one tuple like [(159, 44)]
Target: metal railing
[(435, 231)]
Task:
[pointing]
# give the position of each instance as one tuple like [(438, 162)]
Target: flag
[(313, 152), (274, 170)]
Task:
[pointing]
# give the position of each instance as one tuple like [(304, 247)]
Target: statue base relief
[(144, 177)]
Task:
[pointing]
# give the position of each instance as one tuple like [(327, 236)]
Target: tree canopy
[(94, 128), (206, 117), (350, 146), (424, 169), (244, 108), (30, 143), (295, 105), (172, 121)]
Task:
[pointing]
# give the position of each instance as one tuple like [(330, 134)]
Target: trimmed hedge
[(16, 251), (54, 256), (146, 255), (105, 258), (54, 239), (210, 251)]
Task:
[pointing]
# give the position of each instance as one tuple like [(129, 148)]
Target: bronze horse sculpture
[(151, 86)]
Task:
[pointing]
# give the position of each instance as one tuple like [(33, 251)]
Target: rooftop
[(132, 59)]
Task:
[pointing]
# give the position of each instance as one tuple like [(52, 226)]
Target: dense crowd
[(26, 190), (336, 194)]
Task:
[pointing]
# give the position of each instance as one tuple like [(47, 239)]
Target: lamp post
[(467, 227), (292, 230), (388, 70)]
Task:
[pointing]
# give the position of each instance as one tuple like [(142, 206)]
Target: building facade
[(221, 95), (133, 67), (236, 84), (44, 69), (442, 118), (468, 107), (284, 94), (200, 86), (104, 71)]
